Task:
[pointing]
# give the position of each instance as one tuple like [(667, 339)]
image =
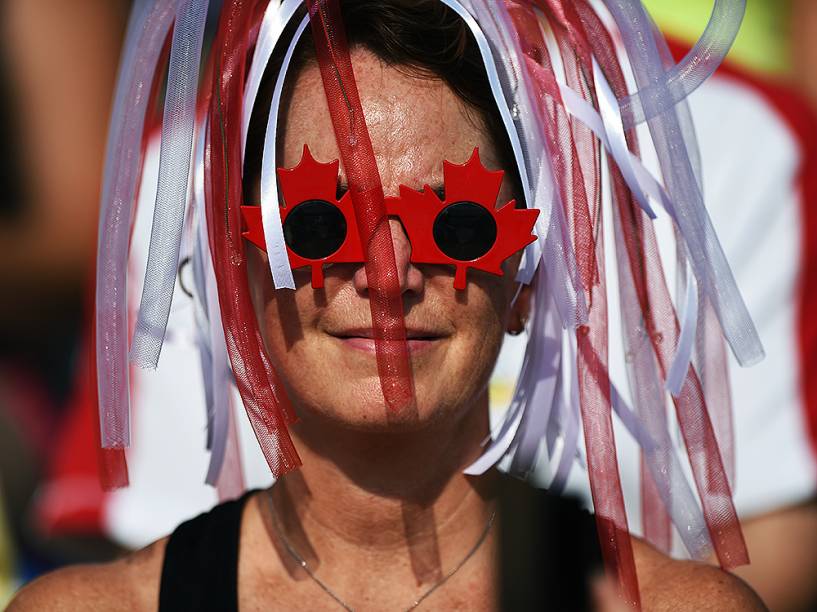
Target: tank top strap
[(200, 569)]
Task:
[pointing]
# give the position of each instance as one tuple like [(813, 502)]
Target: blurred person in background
[(57, 65)]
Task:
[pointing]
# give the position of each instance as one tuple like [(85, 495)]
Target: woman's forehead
[(414, 123)]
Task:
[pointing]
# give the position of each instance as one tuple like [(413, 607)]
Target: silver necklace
[(325, 587)]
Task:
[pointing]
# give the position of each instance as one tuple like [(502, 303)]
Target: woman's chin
[(361, 406)]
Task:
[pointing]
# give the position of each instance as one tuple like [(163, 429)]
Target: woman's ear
[(520, 311)]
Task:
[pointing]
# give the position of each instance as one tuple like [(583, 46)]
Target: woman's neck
[(364, 498)]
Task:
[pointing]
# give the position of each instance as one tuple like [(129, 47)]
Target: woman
[(385, 345)]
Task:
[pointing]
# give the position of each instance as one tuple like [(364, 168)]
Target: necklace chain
[(325, 587)]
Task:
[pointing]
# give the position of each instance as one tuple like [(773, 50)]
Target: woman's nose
[(409, 277)]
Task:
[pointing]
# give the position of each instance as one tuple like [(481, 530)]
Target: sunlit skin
[(454, 335)]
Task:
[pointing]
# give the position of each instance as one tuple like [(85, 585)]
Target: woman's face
[(319, 340)]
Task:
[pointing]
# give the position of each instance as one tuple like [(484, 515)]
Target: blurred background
[(58, 61), (58, 64)]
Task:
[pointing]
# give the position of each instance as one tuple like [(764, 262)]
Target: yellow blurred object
[(763, 43), (8, 582), (501, 394)]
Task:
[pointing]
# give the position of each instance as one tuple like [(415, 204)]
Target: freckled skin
[(414, 125)]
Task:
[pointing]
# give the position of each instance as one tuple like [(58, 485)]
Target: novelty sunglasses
[(464, 229)]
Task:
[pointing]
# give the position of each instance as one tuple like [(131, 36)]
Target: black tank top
[(200, 570), (549, 549)]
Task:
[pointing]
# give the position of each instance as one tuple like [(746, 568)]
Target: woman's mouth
[(363, 340)]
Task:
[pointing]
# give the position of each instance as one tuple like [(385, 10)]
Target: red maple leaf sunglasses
[(464, 230)]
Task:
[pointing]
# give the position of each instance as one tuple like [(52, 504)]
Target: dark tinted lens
[(315, 229), (465, 231)]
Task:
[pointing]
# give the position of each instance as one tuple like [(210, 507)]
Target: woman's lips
[(363, 341), (367, 344)]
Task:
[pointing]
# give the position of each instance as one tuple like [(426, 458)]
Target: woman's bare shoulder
[(130, 583), (669, 584)]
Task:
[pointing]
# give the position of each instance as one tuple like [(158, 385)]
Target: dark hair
[(422, 38)]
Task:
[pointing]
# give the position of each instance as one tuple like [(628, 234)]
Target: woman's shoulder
[(672, 584), (134, 581), (129, 583)]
